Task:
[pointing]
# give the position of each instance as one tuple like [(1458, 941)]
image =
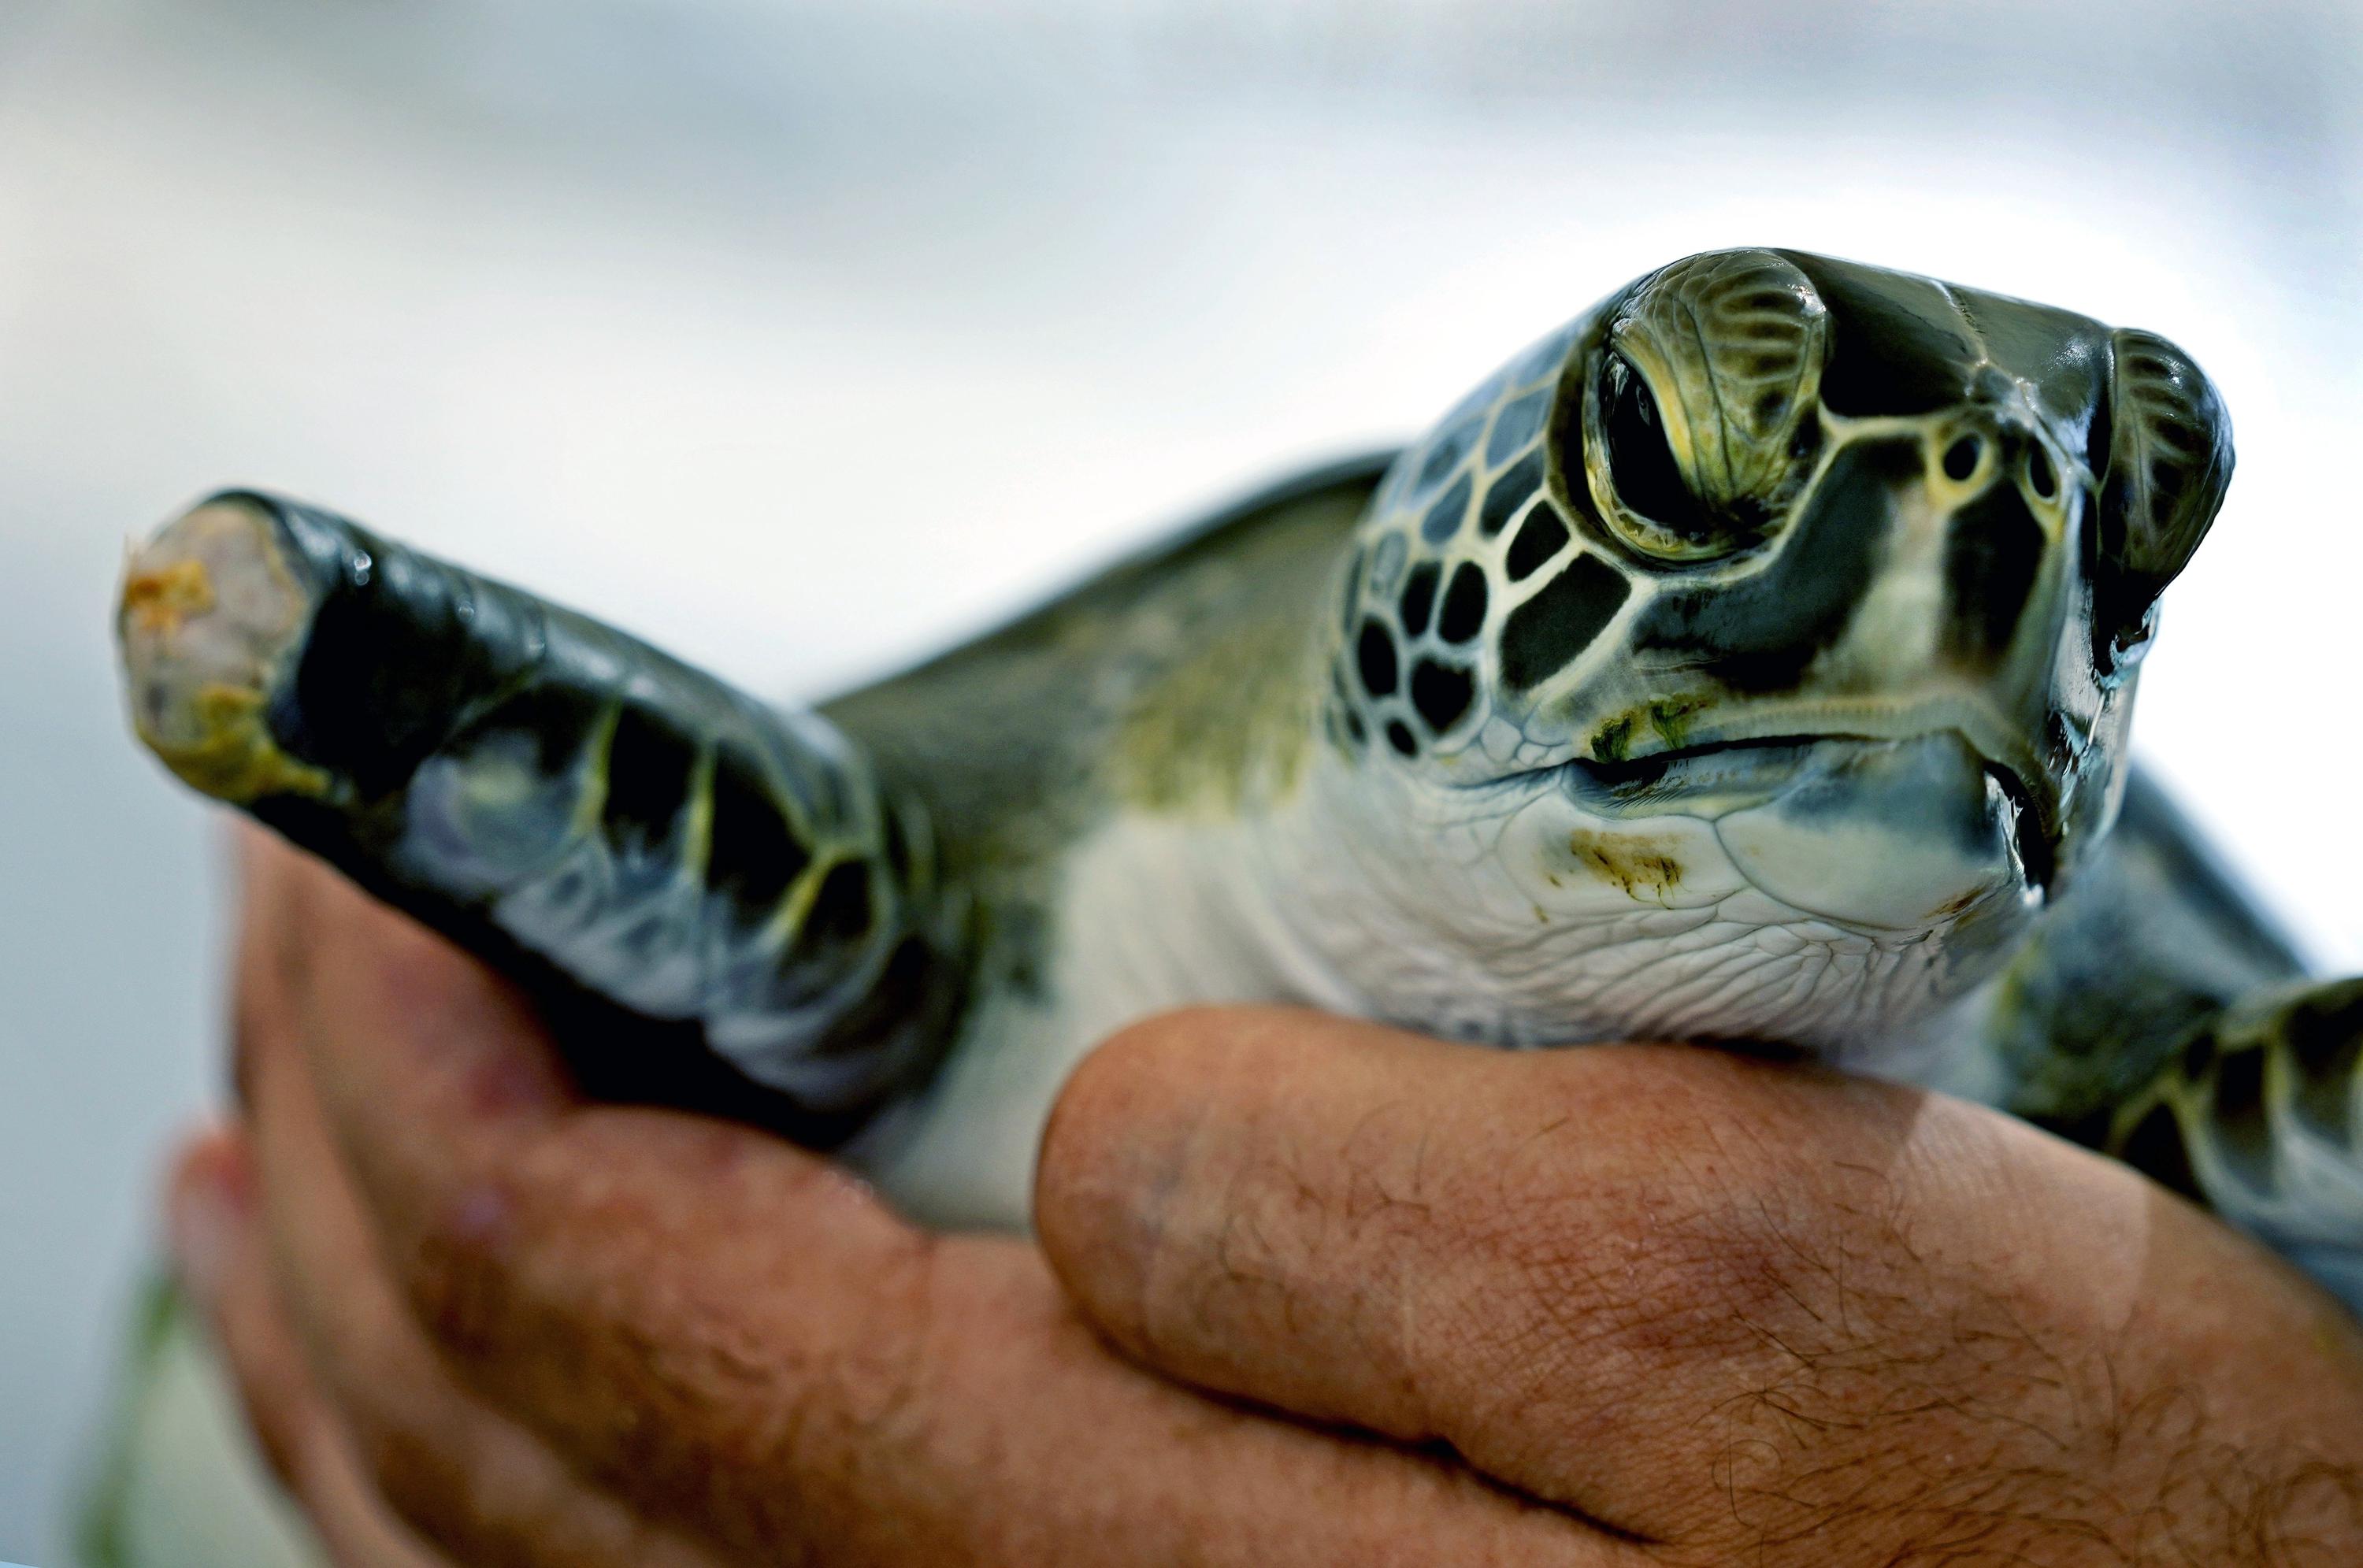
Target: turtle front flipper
[(715, 897), (2260, 1116)]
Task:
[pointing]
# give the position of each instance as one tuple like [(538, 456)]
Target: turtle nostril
[(1961, 459), (2039, 473)]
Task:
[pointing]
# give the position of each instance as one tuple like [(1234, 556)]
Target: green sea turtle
[(1748, 661)]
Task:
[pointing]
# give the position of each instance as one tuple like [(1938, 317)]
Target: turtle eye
[(1641, 459), (1649, 504), (2169, 444)]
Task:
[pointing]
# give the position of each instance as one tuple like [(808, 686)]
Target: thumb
[(1568, 1265)]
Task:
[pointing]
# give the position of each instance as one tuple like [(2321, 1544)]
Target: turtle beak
[(1975, 603), (1902, 835)]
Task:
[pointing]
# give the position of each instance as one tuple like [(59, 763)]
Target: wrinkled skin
[(1626, 1306)]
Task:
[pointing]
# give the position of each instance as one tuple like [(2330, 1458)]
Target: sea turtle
[(1749, 660)]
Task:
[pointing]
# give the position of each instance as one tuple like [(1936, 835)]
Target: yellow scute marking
[(1644, 867)]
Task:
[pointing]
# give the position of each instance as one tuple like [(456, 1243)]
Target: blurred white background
[(803, 335)]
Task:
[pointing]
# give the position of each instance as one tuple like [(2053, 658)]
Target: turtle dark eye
[(2169, 460), (1640, 460)]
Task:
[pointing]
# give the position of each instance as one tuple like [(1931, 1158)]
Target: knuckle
[(481, 1491), (451, 1477), (457, 1273), (399, 1432), (790, 1451), (413, 1475), (878, 1392), (431, 1488)]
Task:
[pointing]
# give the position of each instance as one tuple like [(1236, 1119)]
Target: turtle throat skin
[(1775, 592)]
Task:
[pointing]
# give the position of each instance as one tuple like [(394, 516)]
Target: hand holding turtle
[(1672, 1308), (475, 1316), (1749, 660)]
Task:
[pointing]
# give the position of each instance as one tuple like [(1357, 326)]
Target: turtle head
[(1835, 577)]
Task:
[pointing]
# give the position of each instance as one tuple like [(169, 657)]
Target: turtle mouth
[(2034, 831), (1682, 779)]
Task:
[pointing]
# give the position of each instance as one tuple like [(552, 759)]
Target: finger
[(1579, 1268), (221, 1263), (257, 985), (741, 1339), (478, 1486)]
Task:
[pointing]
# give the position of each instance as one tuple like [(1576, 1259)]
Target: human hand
[(1741, 1312), (473, 1319), (1680, 1309)]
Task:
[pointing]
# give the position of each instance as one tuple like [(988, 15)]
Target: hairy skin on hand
[(2047, 1450), (1743, 1313)]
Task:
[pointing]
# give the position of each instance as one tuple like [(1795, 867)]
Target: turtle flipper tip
[(210, 615)]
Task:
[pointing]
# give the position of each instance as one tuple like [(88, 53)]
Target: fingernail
[(206, 1213)]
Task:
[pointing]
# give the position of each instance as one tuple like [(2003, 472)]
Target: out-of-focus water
[(804, 336)]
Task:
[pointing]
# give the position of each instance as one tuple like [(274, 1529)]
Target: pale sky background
[(803, 335)]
